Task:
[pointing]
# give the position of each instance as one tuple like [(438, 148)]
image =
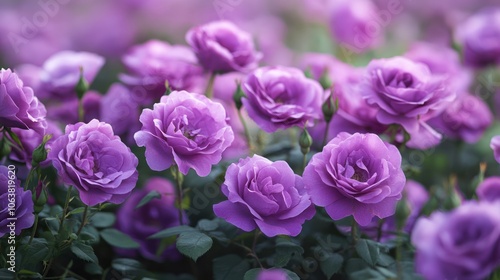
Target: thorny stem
[(84, 220)]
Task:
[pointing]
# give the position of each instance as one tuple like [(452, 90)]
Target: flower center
[(182, 124)]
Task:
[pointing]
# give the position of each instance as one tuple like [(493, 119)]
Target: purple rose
[(264, 194), (442, 61), (407, 94), (13, 196), (354, 24), (272, 274), (480, 38), (462, 244), (186, 129), (222, 47), (357, 175), (20, 107), (61, 73), (95, 161), (119, 110), (156, 215), (495, 146), (282, 97), (489, 189), (466, 118), (153, 63)]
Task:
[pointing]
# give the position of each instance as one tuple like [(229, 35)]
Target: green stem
[(327, 130), (209, 91), (254, 244), (354, 232), (81, 111), (84, 220), (304, 162), (247, 131), (178, 179), (35, 226), (65, 209)]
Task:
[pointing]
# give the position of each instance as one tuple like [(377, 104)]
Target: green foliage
[(193, 244)]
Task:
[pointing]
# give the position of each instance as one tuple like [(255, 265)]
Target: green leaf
[(354, 264), (368, 250), (146, 199), (33, 254), (286, 249), (84, 252), (93, 269), (118, 239), (124, 264), (76, 211), (172, 231), (193, 244), (230, 267), (103, 219), (208, 225), (331, 264), (368, 274)]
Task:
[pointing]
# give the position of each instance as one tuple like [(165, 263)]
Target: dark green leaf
[(146, 199), (103, 219), (368, 250), (33, 254), (76, 211), (118, 239), (84, 252), (193, 244), (93, 269), (354, 264), (367, 274), (90, 235), (230, 267), (172, 231), (331, 264)]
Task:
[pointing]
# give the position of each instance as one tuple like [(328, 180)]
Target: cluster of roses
[(409, 99)]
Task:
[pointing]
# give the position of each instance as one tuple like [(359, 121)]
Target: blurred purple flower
[(282, 97), (489, 189), (495, 146), (462, 244), (357, 175), (465, 118), (407, 94), (61, 72), (20, 107), (118, 109), (156, 215), (22, 200), (480, 38), (442, 61), (95, 161), (153, 63), (186, 129), (222, 47), (272, 274), (353, 24), (264, 194), (66, 112)]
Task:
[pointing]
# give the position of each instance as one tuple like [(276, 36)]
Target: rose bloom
[(20, 107), (186, 129), (480, 38), (282, 97), (407, 94), (222, 47), (495, 146), (23, 203), (352, 24), (156, 215), (153, 63), (90, 157), (61, 72), (462, 244), (489, 189), (467, 118), (264, 194), (442, 61), (356, 174), (121, 112)]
